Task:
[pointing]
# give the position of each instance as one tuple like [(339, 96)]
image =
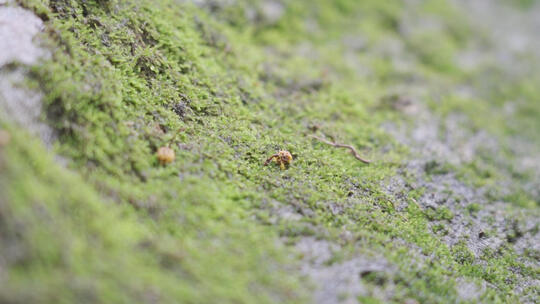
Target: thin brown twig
[(351, 148)]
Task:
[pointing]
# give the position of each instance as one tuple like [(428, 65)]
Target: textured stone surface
[(20, 48)]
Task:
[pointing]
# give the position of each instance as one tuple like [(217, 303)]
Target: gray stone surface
[(18, 28), (20, 49)]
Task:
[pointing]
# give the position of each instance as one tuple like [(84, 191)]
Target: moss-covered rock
[(98, 218)]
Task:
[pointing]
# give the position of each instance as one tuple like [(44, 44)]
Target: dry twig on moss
[(351, 148)]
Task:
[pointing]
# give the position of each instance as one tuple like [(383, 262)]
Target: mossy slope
[(225, 91)]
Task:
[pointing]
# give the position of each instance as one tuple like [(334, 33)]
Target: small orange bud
[(285, 156), (165, 155), (282, 158)]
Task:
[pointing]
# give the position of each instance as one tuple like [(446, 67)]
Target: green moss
[(474, 208), (441, 213), (462, 254), (73, 244), (433, 168), (225, 92), (368, 300), (524, 4), (440, 229)]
